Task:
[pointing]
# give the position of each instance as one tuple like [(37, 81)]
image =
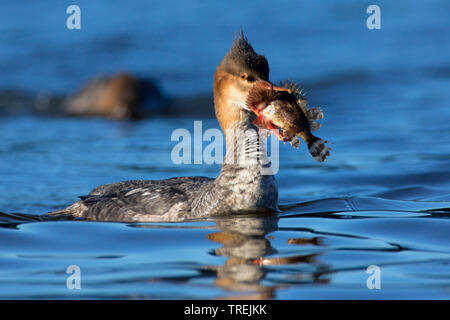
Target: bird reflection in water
[(247, 245)]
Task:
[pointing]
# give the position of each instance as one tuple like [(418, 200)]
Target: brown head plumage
[(242, 58)]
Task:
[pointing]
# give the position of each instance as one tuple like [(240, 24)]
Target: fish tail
[(318, 149)]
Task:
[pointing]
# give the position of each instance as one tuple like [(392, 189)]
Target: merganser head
[(235, 75)]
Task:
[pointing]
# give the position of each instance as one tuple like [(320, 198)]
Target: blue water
[(382, 198)]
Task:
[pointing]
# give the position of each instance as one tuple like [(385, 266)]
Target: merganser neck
[(245, 183)]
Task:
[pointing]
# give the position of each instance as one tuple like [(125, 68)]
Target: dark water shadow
[(332, 207)]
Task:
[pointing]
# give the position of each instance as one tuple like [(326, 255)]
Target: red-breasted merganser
[(241, 187)]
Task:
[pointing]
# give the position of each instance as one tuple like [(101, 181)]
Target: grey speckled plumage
[(241, 187)]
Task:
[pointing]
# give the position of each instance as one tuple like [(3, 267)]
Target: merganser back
[(241, 187)]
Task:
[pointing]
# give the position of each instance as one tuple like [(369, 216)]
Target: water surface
[(371, 203), (382, 198)]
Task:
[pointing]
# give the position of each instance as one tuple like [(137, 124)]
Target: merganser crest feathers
[(243, 55)]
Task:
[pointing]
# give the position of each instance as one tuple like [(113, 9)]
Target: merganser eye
[(243, 76)]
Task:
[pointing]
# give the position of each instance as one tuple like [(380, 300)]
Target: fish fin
[(294, 89), (314, 114), (295, 142), (298, 93), (318, 149), (302, 103)]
